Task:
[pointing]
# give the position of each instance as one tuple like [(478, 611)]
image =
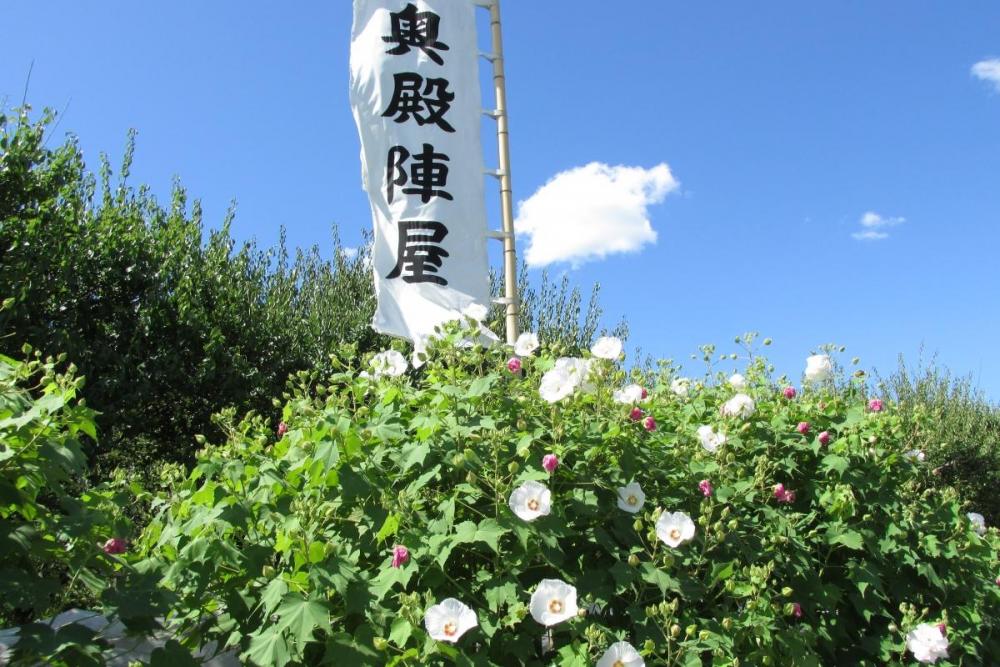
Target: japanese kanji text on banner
[(416, 100)]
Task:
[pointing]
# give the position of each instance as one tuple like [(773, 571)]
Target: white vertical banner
[(416, 99)]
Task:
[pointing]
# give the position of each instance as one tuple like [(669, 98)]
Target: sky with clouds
[(819, 172)]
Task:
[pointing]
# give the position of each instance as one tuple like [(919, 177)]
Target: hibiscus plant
[(414, 517)]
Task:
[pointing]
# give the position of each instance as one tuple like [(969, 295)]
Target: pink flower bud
[(706, 487), (635, 415), (514, 365), (943, 628), (649, 423), (789, 496), (779, 491), (114, 546), (645, 394), (824, 438), (400, 555), (875, 405), (802, 428), (789, 392), (796, 610), (998, 581), (550, 462), (282, 430)]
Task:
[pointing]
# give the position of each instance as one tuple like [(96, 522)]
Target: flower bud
[(787, 592), (513, 467), (652, 611), (637, 525), (521, 424), (633, 560), (803, 428), (690, 630), (727, 623), (824, 438), (380, 643), (704, 635), (732, 524), (675, 631)]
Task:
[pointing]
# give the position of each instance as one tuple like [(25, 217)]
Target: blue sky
[(782, 124)]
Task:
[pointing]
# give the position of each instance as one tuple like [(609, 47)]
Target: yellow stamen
[(632, 500), (556, 606), (533, 505), (675, 534), (450, 628)]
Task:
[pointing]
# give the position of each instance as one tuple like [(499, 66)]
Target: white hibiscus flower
[(739, 405), (673, 528), (818, 367), (631, 497), (710, 439), (476, 311), (630, 395), (621, 654), (449, 620), (531, 500), (927, 643), (389, 363), (915, 455), (680, 386), (526, 344), (553, 601), (607, 347), (737, 382), (978, 522)]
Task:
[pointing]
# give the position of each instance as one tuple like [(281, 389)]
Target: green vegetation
[(956, 427), (281, 541)]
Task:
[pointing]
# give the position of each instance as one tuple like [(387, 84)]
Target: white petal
[(449, 612), (621, 653), (553, 601), (522, 497), (631, 490), (607, 347), (526, 344)]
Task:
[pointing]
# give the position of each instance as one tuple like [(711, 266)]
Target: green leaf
[(273, 593), (389, 527), (413, 454), (301, 616), (849, 538), (839, 464), (489, 531), (400, 632), (328, 454), (268, 647)]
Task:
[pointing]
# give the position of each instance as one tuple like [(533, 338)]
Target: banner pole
[(506, 197)]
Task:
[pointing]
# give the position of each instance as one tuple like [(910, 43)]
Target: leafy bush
[(58, 544), (170, 324), (812, 538), (955, 426)]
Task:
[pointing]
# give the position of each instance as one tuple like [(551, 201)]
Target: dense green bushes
[(957, 429), (171, 324), (811, 539)]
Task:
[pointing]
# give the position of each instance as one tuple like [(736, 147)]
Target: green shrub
[(169, 323), (284, 545), (955, 426), (60, 545)]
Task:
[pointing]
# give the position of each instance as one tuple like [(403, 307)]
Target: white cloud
[(349, 252), (989, 71), (872, 222), (592, 211), (869, 235)]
